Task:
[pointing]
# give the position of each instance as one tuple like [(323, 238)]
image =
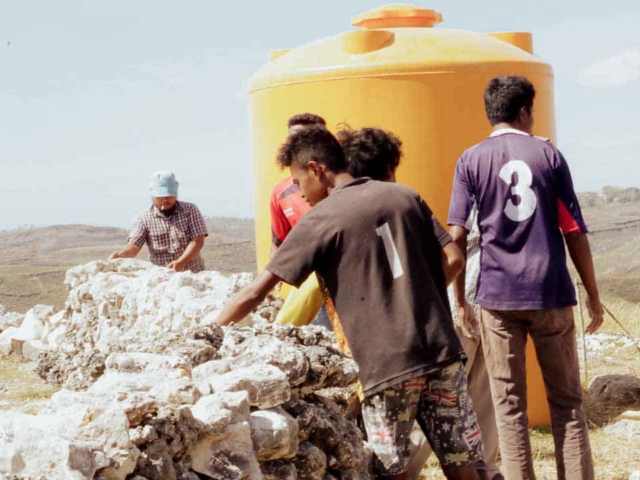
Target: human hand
[(596, 312), (176, 265), (114, 255), (468, 321)]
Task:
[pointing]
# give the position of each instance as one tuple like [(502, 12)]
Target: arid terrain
[(33, 264), (33, 261)]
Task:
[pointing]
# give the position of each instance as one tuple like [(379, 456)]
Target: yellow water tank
[(398, 73)]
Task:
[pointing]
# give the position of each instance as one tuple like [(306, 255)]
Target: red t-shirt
[(287, 208)]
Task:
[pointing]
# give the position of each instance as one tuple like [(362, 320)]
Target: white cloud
[(619, 70)]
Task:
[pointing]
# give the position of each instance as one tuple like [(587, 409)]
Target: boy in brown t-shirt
[(376, 249)]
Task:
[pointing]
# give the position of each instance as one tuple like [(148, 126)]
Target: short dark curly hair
[(505, 96), (314, 143), (306, 119), (370, 152)]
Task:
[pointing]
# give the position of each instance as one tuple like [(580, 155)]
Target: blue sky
[(94, 96)]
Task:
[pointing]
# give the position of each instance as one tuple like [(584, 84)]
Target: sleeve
[(280, 226), (462, 196), (299, 254), (301, 305), (569, 213), (197, 224), (138, 233), (441, 234)]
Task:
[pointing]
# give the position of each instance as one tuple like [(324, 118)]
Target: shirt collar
[(505, 131)]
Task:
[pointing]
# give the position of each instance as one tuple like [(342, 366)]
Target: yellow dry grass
[(21, 387), (615, 458)]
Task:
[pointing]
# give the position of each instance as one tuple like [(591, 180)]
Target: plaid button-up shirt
[(472, 272), (168, 237)]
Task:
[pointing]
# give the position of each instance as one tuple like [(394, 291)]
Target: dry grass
[(21, 388), (614, 458)]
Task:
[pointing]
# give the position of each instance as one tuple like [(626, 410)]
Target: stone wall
[(153, 389)]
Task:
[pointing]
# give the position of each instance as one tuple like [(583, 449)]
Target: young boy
[(376, 249)]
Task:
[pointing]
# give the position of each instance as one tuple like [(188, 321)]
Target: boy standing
[(375, 246)]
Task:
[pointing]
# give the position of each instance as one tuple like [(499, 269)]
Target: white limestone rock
[(265, 349), (274, 433), (9, 319), (220, 410), (138, 362), (266, 385), (230, 457), (179, 391), (67, 445)]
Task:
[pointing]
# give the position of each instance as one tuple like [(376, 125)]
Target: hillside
[(33, 261)]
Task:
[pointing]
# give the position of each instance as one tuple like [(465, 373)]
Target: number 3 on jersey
[(390, 249), (527, 200)]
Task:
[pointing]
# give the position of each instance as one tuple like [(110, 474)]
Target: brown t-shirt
[(378, 250)]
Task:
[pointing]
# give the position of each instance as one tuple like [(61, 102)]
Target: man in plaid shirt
[(173, 231)]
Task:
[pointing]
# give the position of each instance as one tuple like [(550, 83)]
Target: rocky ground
[(136, 382), (153, 389)]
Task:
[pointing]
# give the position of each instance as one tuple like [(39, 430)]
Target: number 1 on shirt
[(390, 249)]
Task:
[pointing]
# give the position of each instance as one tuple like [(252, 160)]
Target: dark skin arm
[(248, 299), (580, 253), (452, 262)]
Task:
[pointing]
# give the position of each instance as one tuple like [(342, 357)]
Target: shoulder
[(143, 219), (281, 187), (475, 151), (188, 207)]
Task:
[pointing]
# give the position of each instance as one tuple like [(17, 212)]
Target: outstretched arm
[(248, 299), (580, 252), (130, 251)]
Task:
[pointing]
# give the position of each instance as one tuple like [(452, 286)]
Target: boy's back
[(375, 247)]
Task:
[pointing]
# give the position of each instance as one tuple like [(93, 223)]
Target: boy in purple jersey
[(526, 206), (385, 264)]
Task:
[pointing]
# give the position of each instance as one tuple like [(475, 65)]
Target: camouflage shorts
[(440, 403)]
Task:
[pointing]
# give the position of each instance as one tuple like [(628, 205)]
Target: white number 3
[(390, 249), (527, 200)]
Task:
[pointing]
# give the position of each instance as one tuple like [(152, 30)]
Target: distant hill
[(33, 261)]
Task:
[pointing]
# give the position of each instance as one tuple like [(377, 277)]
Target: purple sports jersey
[(524, 193)]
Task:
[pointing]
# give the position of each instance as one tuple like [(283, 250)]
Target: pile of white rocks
[(155, 390)]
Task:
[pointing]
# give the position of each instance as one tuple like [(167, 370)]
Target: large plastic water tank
[(399, 73)]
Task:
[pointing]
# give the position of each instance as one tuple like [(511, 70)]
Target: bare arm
[(191, 252), (459, 235), (247, 299), (130, 251), (452, 262), (580, 252)]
